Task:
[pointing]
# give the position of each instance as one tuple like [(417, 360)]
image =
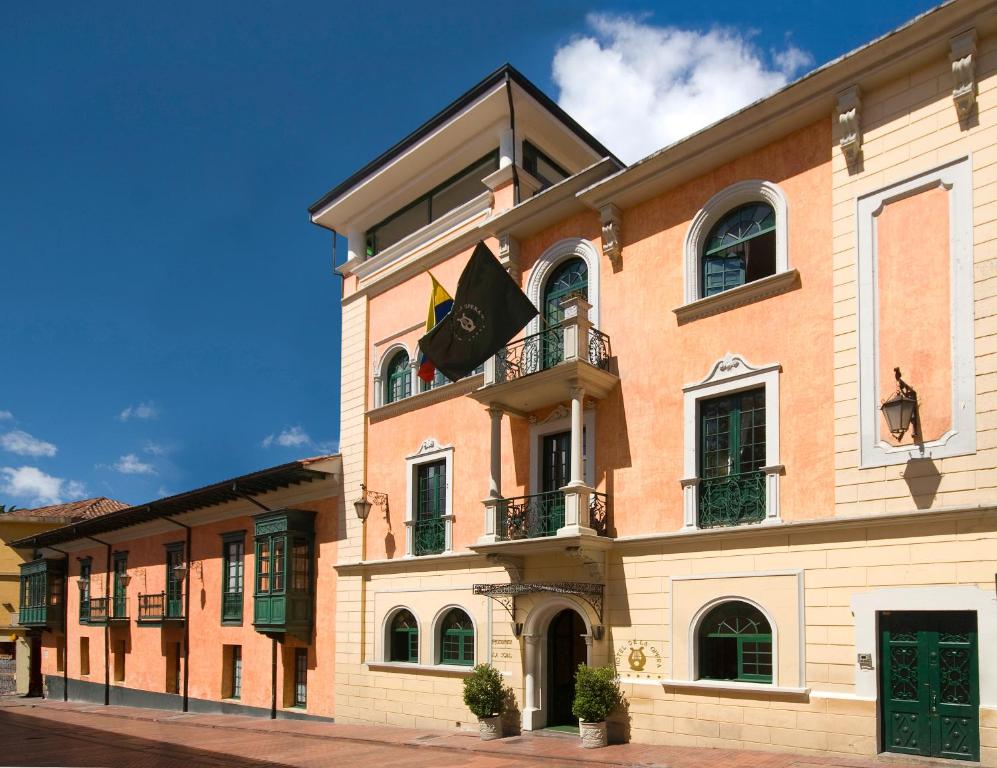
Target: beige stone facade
[(879, 155)]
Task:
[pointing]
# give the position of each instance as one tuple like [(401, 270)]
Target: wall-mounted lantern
[(180, 569), (124, 579), (367, 500), (900, 411)]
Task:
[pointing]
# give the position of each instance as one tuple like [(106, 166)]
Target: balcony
[(543, 369), (42, 594), (158, 609), (232, 607), (429, 536), (542, 514), (97, 610), (730, 500)]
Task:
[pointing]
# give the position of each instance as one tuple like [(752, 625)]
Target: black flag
[(488, 310)]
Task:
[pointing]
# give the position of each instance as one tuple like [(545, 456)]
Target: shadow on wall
[(922, 478)]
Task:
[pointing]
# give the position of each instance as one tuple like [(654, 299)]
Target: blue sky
[(169, 317)]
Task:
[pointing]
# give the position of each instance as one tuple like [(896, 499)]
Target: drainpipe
[(186, 615), (273, 678), (512, 127), (107, 622)]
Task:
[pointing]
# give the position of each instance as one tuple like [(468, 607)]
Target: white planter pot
[(490, 727), (593, 734)]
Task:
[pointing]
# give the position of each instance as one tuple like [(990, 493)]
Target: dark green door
[(565, 651), (930, 684), (555, 473)]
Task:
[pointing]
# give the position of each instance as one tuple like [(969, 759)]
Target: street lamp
[(367, 500), (900, 411)]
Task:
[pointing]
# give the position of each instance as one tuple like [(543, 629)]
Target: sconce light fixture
[(517, 628), (900, 411), (367, 500), (597, 631), (82, 583), (180, 569), (125, 579)]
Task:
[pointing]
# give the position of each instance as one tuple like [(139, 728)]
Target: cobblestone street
[(44, 733)]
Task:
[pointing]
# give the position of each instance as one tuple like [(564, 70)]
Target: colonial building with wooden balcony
[(203, 601), (693, 465)]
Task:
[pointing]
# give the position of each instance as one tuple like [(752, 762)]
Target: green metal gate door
[(930, 684)]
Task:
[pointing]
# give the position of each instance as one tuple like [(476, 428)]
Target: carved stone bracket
[(509, 255), (850, 123), (962, 53), (612, 239), (594, 561), (512, 565)]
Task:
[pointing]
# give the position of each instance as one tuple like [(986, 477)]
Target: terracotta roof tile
[(83, 509)]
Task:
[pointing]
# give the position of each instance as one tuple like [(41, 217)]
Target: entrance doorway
[(565, 651), (930, 689), (35, 666)]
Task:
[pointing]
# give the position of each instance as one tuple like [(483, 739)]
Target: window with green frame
[(120, 606), (735, 643), (457, 638), (403, 638), (174, 581), (439, 380), (460, 188), (739, 249), (541, 167), (284, 576), (300, 678), (233, 576), (398, 378), (731, 455), (429, 536), (86, 568)]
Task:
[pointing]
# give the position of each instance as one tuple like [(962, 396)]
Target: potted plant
[(484, 695), (597, 694)]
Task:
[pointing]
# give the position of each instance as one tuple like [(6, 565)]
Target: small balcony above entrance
[(539, 370)]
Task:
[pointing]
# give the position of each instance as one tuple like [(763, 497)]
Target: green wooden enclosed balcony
[(284, 581), (43, 594)]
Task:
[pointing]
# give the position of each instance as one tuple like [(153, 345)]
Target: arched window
[(438, 381), (456, 638), (740, 248), (568, 278), (735, 643), (398, 379), (403, 638)]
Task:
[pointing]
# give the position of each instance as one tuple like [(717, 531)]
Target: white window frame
[(429, 451), (718, 206), (729, 375), (381, 372), (436, 643), (552, 258), (957, 178)]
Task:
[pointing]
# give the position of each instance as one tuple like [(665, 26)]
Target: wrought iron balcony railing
[(429, 536), (99, 610), (157, 607), (232, 606), (539, 515), (732, 500), (120, 608), (540, 351)]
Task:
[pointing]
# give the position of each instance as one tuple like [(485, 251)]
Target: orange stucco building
[(680, 467)]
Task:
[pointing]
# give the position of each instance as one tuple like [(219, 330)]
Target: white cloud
[(130, 464), (38, 487), (23, 444), (4, 415), (154, 449), (639, 87), (288, 438), (140, 411)]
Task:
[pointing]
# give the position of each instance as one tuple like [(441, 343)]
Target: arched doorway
[(566, 649)]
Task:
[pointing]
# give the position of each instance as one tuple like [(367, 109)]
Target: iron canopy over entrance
[(505, 594)]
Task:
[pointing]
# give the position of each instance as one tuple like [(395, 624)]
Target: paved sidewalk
[(53, 733)]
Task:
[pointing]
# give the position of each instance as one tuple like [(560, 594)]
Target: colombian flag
[(440, 303)]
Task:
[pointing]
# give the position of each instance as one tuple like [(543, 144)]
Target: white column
[(506, 147), (577, 431), (356, 244), (533, 716), (414, 366)]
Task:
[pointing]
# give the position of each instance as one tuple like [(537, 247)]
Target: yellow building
[(18, 648), (683, 464)]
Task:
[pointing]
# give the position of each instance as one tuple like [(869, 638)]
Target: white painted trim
[(549, 260), (840, 696), (693, 640), (957, 178), (561, 422), (429, 451), (401, 666), (380, 370), (732, 373), (725, 685), (420, 590), (436, 647), (748, 191), (382, 653), (867, 605), (535, 658), (744, 575)]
